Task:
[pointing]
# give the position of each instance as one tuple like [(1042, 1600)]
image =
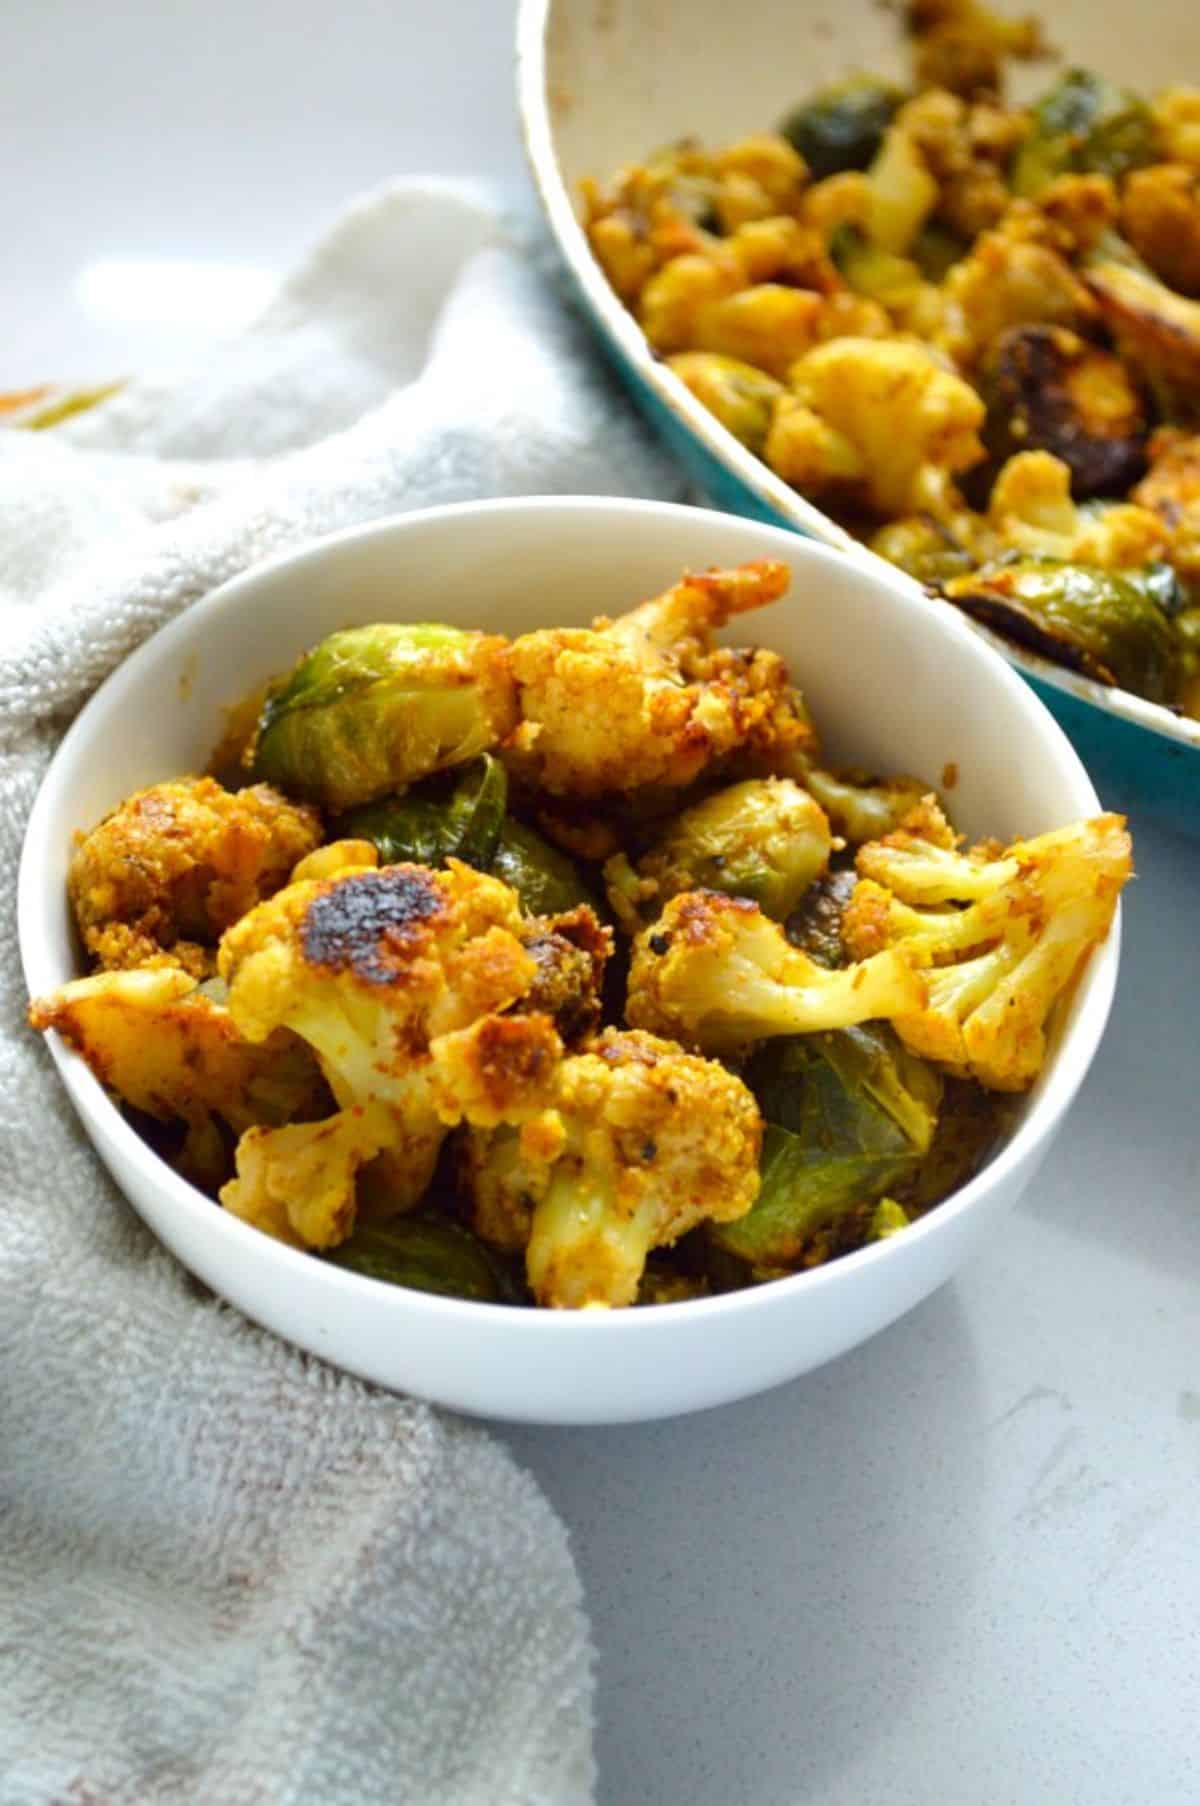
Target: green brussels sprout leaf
[(427, 1253), (435, 821), (848, 1115), (544, 878)]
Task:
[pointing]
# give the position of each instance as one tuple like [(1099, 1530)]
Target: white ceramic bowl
[(599, 86), (895, 681)]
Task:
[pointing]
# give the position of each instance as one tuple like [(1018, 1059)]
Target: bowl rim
[(534, 110), (106, 1125)]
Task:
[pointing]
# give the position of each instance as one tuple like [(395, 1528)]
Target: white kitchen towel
[(229, 1575)]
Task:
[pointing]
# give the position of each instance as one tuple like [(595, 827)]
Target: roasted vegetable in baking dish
[(906, 294)]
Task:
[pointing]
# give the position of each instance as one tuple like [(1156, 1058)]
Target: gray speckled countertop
[(959, 1567), (960, 1564)]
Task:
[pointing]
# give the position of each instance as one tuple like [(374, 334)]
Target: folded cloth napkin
[(228, 1574)]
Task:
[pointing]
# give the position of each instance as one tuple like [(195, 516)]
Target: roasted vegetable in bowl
[(404, 1033), (902, 295)]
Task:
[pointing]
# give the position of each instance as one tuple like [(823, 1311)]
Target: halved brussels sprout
[(372, 709), (427, 1253), (766, 839), (741, 396), (437, 821), (922, 546), (1049, 390), (842, 126), (1110, 625), (848, 1115), (1084, 125)]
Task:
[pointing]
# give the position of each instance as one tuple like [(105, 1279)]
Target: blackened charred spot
[(367, 924)]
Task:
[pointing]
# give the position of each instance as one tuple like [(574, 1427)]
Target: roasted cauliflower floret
[(1160, 216), (967, 149), (163, 1046), (1003, 933), (650, 699), (881, 421), (1010, 279), (716, 973), (299, 1183), (1031, 511), (638, 1144), (1171, 489), (170, 869), (371, 968)]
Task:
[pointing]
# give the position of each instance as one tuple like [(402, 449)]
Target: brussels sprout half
[(1049, 390), (842, 127), (1110, 625), (766, 839), (742, 397), (1086, 125), (372, 709)]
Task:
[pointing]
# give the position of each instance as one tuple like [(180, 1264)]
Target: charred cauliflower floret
[(650, 699), (1003, 934), (163, 1046), (878, 421), (372, 968), (1031, 510), (716, 973), (1160, 217), (171, 868), (638, 1143)]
